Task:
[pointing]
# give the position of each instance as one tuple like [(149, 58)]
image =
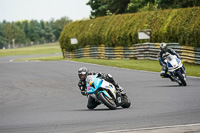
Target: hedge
[(173, 25)]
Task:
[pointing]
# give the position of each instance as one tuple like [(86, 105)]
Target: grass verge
[(146, 65), (49, 58), (50, 48)]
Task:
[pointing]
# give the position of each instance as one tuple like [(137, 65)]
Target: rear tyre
[(108, 102), (180, 76), (126, 102)]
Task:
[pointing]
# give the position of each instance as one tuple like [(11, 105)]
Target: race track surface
[(43, 97)]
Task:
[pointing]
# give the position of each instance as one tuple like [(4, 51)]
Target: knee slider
[(162, 75)]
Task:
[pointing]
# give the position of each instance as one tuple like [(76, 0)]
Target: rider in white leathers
[(164, 51)]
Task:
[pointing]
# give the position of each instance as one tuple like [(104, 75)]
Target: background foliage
[(172, 25), (25, 32), (107, 7)]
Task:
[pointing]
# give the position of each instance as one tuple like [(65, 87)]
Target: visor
[(82, 73)]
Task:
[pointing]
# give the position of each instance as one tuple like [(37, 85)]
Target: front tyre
[(126, 102), (180, 76), (108, 102)]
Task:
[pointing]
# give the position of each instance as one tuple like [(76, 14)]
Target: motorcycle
[(106, 93), (176, 69)]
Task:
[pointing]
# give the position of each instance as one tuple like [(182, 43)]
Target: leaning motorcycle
[(176, 69), (106, 93)]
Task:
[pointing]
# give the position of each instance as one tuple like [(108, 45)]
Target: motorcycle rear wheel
[(180, 76), (108, 102)]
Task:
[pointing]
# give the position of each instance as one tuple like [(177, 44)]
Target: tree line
[(107, 7), (31, 32)]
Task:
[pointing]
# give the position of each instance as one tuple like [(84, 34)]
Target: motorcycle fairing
[(94, 84), (169, 65)]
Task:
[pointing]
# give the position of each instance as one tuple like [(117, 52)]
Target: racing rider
[(161, 57), (83, 72)]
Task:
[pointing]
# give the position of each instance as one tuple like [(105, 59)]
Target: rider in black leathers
[(161, 58), (83, 72)]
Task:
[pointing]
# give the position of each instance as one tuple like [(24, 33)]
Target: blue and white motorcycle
[(176, 69), (105, 92)]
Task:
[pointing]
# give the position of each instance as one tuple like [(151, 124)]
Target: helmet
[(163, 47), (82, 73)]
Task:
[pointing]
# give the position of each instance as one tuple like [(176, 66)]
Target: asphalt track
[(43, 97)]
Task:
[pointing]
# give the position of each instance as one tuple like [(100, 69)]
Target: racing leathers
[(92, 103)]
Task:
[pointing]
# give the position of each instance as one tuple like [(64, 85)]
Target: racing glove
[(82, 88), (80, 85)]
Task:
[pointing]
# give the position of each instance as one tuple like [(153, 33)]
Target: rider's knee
[(109, 78)]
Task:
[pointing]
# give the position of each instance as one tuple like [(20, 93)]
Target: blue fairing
[(95, 85), (97, 82), (169, 65)]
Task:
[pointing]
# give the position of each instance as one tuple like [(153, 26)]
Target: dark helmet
[(82, 73), (163, 47)]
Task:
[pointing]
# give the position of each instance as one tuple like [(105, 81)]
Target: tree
[(149, 5), (165, 4), (27, 31), (141, 5), (135, 5), (11, 31), (3, 40), (59, 25), (49, 36), (118, 6), (99, 8), (102, 7), (34, 31)]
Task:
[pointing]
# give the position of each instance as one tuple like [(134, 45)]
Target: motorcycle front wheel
[(180, 76), (126, 102), (107, 101)]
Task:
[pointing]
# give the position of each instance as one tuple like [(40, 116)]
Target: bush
[(175, 25)]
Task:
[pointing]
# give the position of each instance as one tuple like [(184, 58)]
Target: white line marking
[(151, 128)]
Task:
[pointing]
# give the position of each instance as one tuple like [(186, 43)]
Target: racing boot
[(165, 75)]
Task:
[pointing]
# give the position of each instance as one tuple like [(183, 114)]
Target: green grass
[(51, 48), (49, 58), (147, 65)]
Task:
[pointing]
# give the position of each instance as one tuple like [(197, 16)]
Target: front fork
[(174, 74)]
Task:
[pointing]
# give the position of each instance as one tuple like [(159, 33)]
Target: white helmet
[(163, 47)]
